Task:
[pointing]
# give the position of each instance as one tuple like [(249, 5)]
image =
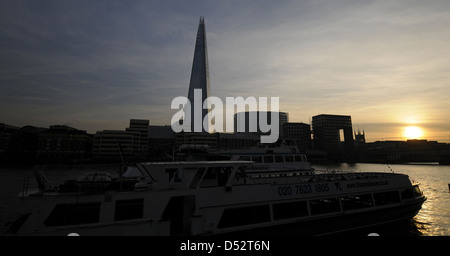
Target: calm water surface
[(432, 220)]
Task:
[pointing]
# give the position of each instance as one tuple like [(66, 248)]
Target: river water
[(432, 220), (434, 217)]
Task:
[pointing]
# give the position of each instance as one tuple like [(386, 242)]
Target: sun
[(412, 132)]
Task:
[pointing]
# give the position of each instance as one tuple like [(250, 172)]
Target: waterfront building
[(133, 142), (139, 129), (300, 133), (7, 133), (244, 118), (228, 141), (61, 143), (197, 138), (334, 134), (19, 144), (109, 143), (161, 142)]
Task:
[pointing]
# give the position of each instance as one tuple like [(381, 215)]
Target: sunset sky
[(94, 65)]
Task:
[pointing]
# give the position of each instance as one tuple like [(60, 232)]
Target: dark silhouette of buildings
[(142, 142), (19, 145), (57, 144), (62, 144), (139, 129), (327, 136), (131, 144), (161, 143), (242, 119), (300, 133), (360, 138), (404, 151), (200, 73)]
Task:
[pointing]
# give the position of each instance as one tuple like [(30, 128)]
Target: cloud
[(378, 61)]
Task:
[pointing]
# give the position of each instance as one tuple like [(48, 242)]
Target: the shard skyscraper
[(199, 76)]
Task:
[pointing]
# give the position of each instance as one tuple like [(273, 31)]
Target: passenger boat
[(219, 197), (266, 158)]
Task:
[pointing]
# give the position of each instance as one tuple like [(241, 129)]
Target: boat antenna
[(121, 157), (390, 169)]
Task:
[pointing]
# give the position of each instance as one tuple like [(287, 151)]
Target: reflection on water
[(434, 217)]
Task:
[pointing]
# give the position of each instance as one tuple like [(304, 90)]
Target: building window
[(73, 214), (129, 209)]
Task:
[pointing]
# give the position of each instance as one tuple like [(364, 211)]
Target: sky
[(94, 65)]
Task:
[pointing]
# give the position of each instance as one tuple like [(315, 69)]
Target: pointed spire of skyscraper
[(200, 72)]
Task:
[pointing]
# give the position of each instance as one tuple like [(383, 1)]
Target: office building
[(196, 138), (334, 134), (299, 133), (139, 128), (61, 143), (243, 118), (108, 144), (132, 142), (161, 143), (200, 73)]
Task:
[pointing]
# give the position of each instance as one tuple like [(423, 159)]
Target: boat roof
[(196, 163)]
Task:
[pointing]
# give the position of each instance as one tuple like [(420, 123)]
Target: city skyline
[(96, 65)]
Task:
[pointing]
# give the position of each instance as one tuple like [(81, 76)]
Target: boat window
[(244, 216), (257, 159), (324, 205), (289, 210), (411, 192), (216, 176), (356, 202), (197, 177), (417, 191), (244, 158), (289, 159), (174, 175), (279, 159), (210, 177), (408, 193), (129, 209), (384, 198), (73, 214), (297, 158), (268, 159), (224, 173)]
